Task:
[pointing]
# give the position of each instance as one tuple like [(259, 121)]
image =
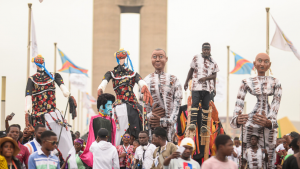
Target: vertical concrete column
[(106, 41), (153, 32)]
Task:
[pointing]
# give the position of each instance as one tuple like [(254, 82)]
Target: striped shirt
[(33, 146), (39, 160)]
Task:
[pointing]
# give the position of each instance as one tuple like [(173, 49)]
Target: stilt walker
[(40, 101), (127, 112), (203, 74)]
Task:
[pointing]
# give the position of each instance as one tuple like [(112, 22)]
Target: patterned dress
[(261, 87), (42, 89), (255, 160), (123, 80), (122, 149), (166, 91)]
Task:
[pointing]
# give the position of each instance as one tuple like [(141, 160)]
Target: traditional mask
[(122, 54), (39, 59), (108, 108)]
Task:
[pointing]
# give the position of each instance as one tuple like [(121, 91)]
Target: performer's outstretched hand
[(242, 118), (147, 96), (262, 120), (99, 92)]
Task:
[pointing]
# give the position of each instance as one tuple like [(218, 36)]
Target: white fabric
[(64, 90), (121, 111), (79, 81), (220, 88), (142, 83), (103, 85), (281, 41), (65, 142), (72, 159), (290, 151), (28, 104), (178, 163), (105, 155), (148, 160), (279, 147), (34, 47), (30, 148), (259, 156)]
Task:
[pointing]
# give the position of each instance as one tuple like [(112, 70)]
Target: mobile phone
[(12, 114)]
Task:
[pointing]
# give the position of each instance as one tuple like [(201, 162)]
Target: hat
[(8, 139), (102, 132), (2, 134), (188, 142)]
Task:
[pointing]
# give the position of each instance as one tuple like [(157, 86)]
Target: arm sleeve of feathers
[(64, 89), (239, 104), (58, 79)]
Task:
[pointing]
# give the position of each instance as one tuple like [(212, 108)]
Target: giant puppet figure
[(203, 73), (262, 120), (127, 112), (102, 120), (166, 92), (41, 103)]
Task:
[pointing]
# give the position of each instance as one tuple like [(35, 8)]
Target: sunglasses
[(53, 142), (126, 136)]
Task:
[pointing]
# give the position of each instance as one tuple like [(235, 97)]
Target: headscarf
[(80, 141)]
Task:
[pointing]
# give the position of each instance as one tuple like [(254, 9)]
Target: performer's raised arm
[(28, 96), (104, 83)]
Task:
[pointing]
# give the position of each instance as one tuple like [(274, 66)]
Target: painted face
[(108, 108), (262, 62), (121, 54)]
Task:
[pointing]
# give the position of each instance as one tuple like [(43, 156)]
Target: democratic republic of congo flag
[(69, 67), (242, 66)]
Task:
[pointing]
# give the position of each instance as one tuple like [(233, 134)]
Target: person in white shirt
[(184, 160), (145, 146), (238, 148), (105, 155)]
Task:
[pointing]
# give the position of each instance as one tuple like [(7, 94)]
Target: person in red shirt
[(124, 151), (13, 131)]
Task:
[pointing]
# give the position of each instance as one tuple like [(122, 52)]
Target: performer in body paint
[(166, 92), (262, 120), (41, 101), (127, 112), (102, 120), (203, 73)]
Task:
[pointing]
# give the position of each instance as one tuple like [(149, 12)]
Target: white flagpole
[(28, 42)]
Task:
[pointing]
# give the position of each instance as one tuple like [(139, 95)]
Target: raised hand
[(147, 96)]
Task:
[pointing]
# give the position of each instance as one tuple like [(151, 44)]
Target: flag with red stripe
[(242, 66)]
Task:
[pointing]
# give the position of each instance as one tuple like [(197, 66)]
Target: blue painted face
[(108, 108)]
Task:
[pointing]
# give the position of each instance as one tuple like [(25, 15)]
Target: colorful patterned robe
[(166, 91), (42, 89), (261, 87)]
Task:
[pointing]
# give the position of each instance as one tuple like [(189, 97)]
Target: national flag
[(79, 81), (69, 67), (34, 47), (281, 41), (242, 66), (187, 165)]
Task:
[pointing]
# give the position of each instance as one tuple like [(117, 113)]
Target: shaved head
[(262, 56)]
